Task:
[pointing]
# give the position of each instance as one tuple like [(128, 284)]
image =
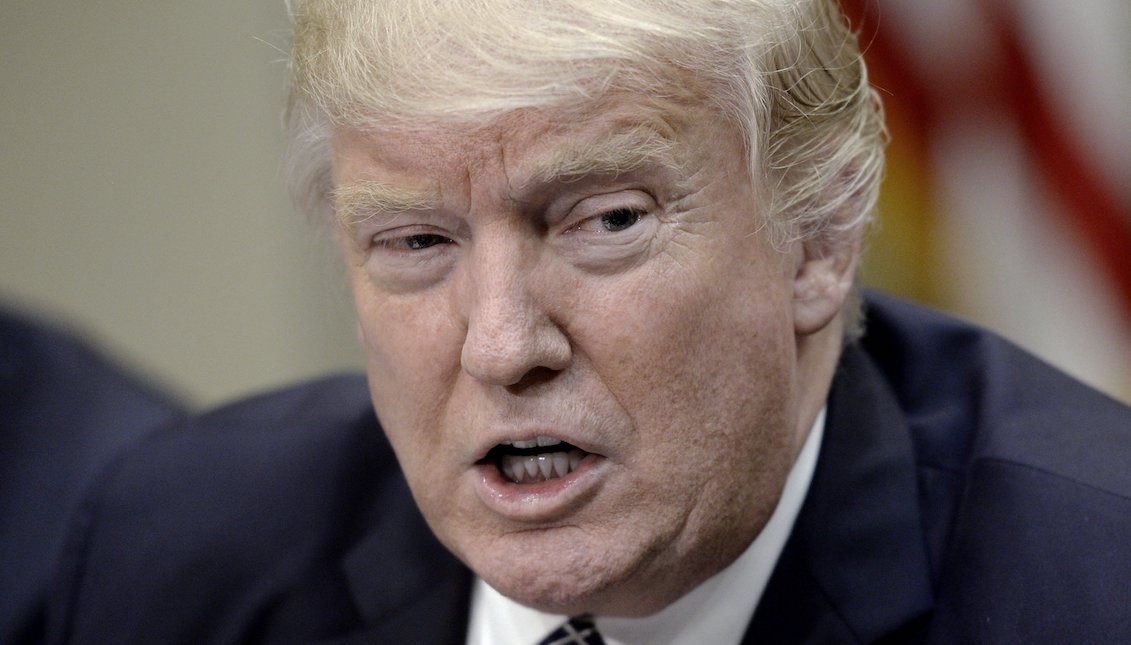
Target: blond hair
[(787, 72)]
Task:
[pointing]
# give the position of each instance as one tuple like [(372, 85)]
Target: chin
[(574, 578), (564, 576)]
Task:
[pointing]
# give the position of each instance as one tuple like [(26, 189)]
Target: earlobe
[(826, 270)]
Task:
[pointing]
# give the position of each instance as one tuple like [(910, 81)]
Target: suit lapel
[(855, 568), (406, 587)]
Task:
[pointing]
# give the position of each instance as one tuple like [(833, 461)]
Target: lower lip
[(542, 501)]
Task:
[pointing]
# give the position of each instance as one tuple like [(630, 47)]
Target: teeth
[(561, 464), (529, 469)]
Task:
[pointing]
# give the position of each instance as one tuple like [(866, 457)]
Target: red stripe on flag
[(1087, 204)]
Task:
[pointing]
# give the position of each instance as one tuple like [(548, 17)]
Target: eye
[(618, 220), (611, 221), (416, 242), (410, 258), (609, 231), (423, 241)]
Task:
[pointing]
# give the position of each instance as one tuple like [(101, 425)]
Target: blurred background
[(1008, 194), (140, 193), (141, 203)]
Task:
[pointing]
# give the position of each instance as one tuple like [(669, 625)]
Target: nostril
[(532, 378)]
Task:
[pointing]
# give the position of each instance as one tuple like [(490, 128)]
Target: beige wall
[(140, 198)]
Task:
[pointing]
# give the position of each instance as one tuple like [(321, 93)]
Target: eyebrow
[(615, 153), (358, 202)]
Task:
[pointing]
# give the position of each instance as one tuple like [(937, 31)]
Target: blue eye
[(619, 219)]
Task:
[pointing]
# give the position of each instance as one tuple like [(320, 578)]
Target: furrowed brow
[(616, 153), (358, 202)]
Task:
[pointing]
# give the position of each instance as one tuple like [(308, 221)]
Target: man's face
[(598, 284)]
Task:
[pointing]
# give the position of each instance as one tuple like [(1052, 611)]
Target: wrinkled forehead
[(556, 135), (405, 168)]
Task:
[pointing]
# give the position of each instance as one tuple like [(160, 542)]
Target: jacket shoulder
[(1033, 465), (229, 521), (970, 395), (65, 410)]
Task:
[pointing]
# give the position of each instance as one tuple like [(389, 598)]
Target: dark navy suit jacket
[(64, 411), (965, 493)]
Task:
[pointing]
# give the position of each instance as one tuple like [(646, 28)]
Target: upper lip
[(496, 438), (540, 441)]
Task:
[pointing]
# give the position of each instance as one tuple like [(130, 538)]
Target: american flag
[(1008, 193)]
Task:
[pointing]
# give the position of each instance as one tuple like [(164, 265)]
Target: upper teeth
[(537, 442)]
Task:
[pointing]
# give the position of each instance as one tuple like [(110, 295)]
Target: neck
[(817, 357)]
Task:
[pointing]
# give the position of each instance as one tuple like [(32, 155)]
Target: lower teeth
[(530, 469)]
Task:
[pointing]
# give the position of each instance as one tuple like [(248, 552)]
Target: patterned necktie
[(578, 630)]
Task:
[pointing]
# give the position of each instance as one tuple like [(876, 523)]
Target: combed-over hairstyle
[(788, 73)]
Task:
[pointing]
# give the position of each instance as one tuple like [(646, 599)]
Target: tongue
[(532, 469)]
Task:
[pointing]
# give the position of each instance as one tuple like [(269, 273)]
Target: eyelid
[(363, 231), (595, 206), (396, 239), (423, 221), (397, 268)]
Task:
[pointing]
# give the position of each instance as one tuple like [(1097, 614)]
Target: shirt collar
[(716, 611)]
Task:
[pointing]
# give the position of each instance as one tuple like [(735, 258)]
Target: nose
[(511, 340)]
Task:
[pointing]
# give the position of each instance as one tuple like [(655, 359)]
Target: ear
[(824, 277)]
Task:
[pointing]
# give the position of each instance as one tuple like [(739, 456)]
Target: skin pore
[(599, 280)]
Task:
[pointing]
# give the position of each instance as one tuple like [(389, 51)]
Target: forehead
[(533, 144)]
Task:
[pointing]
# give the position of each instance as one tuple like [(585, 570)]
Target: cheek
[(676, 343), (410, 343), (703, 365), (412, 354)]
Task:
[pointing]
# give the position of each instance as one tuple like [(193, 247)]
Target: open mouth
[(535, 460)]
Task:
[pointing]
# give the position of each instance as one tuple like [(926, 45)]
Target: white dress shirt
[(716, 611)]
